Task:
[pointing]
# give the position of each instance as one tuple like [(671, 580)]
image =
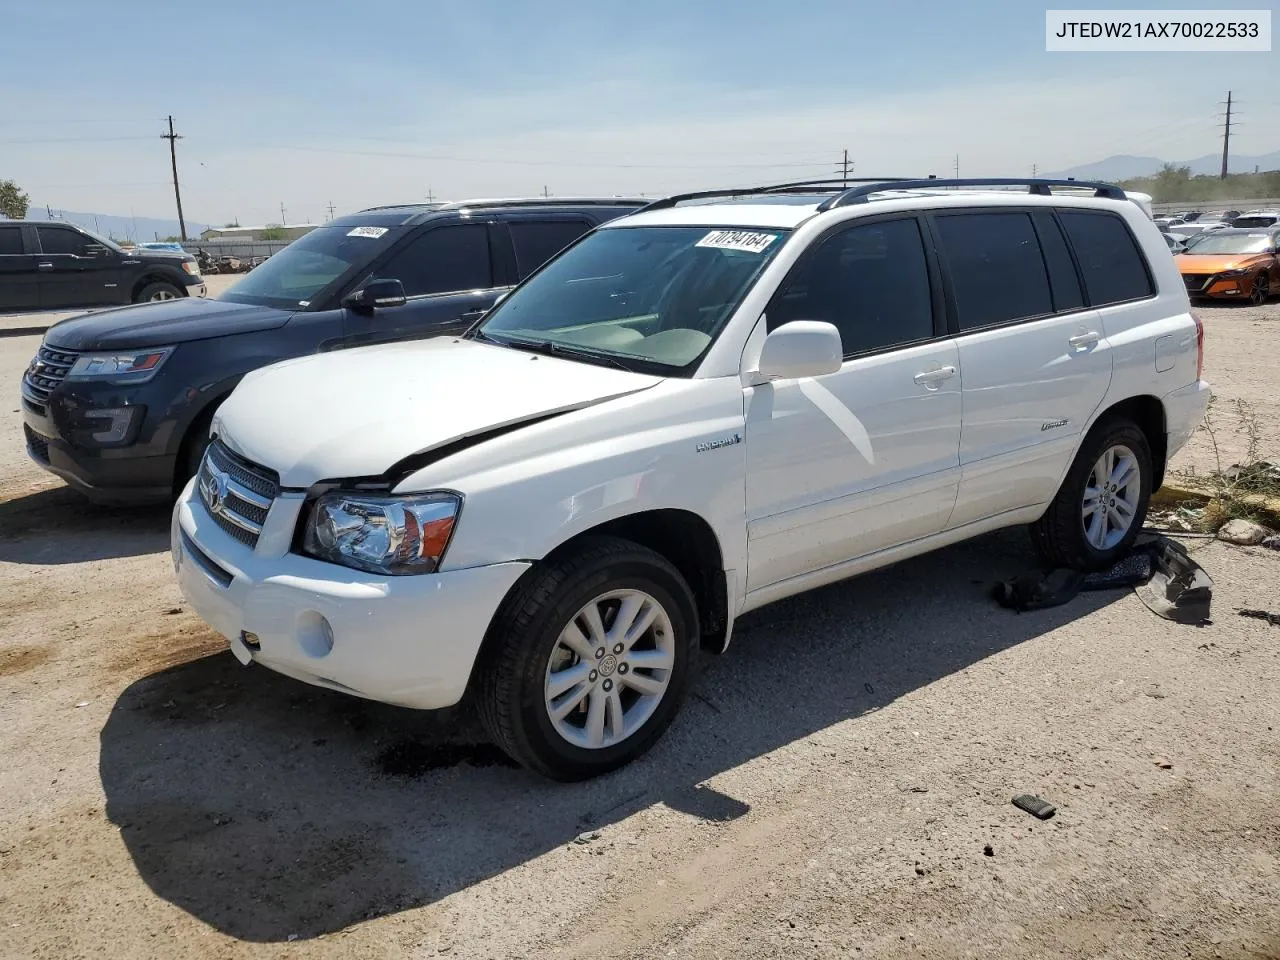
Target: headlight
[(389, 535), (191, 267), (133, 366), (1234, 273)]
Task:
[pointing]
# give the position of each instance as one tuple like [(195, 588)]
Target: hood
[(1217, 262), (356, 413), (161, 323), (169, 257)]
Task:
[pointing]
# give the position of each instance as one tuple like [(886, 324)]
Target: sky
[(306, 103)]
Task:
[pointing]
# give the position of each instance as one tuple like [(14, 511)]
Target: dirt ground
[(838, 786)]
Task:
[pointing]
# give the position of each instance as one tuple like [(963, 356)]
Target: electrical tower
[(173, 139), (1226, 138)]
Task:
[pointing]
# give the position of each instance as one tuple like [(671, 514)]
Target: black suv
[(118, 402), (48, 264)]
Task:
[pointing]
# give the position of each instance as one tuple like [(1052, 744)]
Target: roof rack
[(1039, 186), (512, 202), (824, 186)]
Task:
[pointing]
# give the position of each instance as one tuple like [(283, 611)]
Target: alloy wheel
[(1111, 496)]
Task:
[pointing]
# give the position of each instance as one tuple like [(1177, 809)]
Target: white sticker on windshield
[(372, 233), (747, 241)]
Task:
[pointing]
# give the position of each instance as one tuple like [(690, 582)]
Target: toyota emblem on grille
[(215, 493)]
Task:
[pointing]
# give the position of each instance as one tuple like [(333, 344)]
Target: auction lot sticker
[(748, 241)]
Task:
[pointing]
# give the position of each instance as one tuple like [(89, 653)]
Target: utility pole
[(1033, 170), (844, 167), (282, 222), (1226, 137), (173, 139), (957, 166), (544, 191), (330, 209), (431, 197)]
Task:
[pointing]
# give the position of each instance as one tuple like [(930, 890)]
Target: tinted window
[(10, 240), (871, 281), (1063, 280), (61, 240), (1113, 268), (536, 242), (443, 260), (997, 269)]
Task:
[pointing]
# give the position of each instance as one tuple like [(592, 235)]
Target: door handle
[(44, 266), (935, 376), (1081, 340)]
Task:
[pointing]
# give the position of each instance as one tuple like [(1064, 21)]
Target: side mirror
[(375, 294), (801, 348)]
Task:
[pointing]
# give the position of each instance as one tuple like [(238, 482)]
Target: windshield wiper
[(551, 348)]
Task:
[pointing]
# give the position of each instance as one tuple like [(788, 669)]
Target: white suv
[(691, 412)]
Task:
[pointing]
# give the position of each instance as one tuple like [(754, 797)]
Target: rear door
[(75, 270), (19, 289), (1034, 355), (448, 275)]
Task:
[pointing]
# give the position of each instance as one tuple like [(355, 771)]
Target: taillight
[(1199, 344)]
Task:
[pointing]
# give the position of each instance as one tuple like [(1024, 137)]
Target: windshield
[(649, 298), (297, 273), (1231, 243)]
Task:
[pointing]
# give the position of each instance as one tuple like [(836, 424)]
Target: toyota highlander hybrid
[(693, 411)]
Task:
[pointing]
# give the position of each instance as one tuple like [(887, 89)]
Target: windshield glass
[(652, 298), (1231, 243), (297, 273)]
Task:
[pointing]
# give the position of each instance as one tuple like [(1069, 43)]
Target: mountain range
[(1125, 167), (140, 229)]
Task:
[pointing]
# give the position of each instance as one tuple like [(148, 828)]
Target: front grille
[(238, 494), (1196, 281), (48, 369), (37, 446)]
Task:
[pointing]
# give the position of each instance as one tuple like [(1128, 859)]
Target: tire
[(160, 290), (1063, 537), (194, 445), (524, 652), (1260, 291)]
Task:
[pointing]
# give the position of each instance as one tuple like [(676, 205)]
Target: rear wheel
[(1102, 504), (158, 291), (592, 656)]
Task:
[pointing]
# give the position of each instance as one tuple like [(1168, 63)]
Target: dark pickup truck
[(50, 264), (118, 402)]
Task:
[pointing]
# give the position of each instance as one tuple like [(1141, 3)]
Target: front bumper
[(410, 641), (1183, 412), (1221, 288)]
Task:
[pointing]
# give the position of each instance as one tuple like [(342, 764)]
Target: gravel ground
[(829, 791)]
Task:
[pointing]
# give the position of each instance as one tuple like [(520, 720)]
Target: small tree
[(13, 202), (273, 232)]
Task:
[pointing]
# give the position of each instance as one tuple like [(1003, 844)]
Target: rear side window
[(1113, 267), (997, 270), (537, 241), (448, 259), (10, 240), (61, 240), (1063, 281), (870, 281)]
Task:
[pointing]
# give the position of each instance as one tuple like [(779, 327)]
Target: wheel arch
[(684, 539), (1148, 413), (153, 276)]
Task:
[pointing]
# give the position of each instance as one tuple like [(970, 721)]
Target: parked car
[(52, 264), (118, 403), (1233, 264), (1176, 244), (1257, 218), (162, 245), (689, 413)]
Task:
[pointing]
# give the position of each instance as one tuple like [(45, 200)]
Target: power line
[(76, 139), (173, 139)]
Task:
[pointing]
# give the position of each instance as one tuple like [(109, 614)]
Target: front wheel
[(1102, 504), (157, 292), (1260, 291), (590, 659)]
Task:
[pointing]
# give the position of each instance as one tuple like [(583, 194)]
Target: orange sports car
[(1232, 264)]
